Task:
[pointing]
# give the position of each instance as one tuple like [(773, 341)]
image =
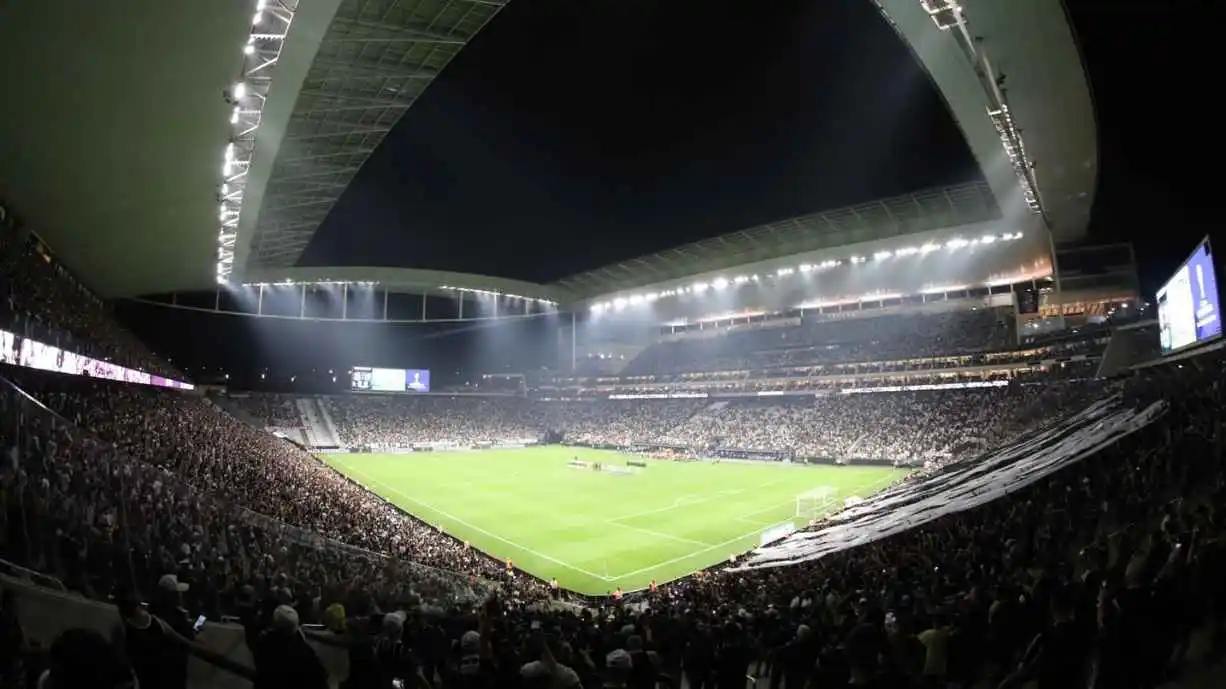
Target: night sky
[(1153, 68), (569, 135)]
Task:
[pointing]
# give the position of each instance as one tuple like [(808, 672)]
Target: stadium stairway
[(317, 422)]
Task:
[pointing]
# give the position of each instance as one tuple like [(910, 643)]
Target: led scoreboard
[(370, 379), (1188, 303)]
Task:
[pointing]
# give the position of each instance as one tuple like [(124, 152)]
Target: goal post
[(815, 503)]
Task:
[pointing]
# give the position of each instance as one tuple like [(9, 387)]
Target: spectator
[(283, 659), (147, 644)]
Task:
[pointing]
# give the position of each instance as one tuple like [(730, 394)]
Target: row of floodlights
[(313, 283), (372, 283), (245, 118), (721, 283), (496, 293)]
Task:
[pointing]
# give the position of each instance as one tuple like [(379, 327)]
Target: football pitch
[(594, 530)]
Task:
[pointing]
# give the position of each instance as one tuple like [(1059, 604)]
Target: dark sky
[(1153, 70), (570, 135)]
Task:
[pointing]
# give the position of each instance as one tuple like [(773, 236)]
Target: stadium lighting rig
[(948, 16), (270, 24), (496, 293), (371, 284), (722, 282)]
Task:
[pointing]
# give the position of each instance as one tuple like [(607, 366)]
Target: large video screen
[(19, 351), (1188, 308), (370, 379)]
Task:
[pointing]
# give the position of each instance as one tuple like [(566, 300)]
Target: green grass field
[(596, 531)]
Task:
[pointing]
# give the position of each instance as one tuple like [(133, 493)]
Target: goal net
[(815, 503)]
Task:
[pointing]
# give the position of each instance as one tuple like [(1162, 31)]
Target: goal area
[(816, 503)]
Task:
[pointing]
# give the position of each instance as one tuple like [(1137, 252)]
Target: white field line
[(659, 534), (478, 529), (687, 556), (726, 543), (677, 504)]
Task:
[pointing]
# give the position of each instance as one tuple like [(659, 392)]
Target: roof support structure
[(356, 72)]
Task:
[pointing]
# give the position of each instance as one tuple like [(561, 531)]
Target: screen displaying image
[(361, 380), (1188, 303), (19, 351), (416, 380), (370, 379)]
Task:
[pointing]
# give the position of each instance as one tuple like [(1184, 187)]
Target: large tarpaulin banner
[(963, 486)]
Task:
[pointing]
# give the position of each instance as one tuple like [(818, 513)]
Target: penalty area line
[(687, 556), (658, 534), (881, 483), (476, 528)]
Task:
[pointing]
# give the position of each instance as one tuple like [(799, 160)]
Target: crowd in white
[(391, 421), (209, 496), (869, 337), (904, 427)]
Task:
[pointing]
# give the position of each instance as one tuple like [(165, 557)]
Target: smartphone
[(536, 625), (199, 624)]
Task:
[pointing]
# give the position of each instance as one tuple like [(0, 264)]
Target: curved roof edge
[(930, 209), (1012, 76), (302, 42), (411, 279)]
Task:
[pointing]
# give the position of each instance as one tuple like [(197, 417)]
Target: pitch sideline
[(478, 529)]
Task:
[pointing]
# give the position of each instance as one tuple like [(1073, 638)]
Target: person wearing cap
[(393, 656), (168, 605), (617, 665), (157, 655), (146, 644), (283, 658)]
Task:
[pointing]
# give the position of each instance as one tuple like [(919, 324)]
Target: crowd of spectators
[(199, 494), (41, 300), (901, 427), (272, 410), (1093, 577), (388, 421), (866, 337)]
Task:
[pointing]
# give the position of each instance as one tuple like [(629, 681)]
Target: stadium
[(935, 439)]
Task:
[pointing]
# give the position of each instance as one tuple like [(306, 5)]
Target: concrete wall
[(45, 613)]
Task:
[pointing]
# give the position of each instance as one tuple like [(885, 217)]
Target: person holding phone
[(157, 654)]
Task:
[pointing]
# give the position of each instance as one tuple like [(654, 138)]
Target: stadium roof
[(933, 209), (115, 154)]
